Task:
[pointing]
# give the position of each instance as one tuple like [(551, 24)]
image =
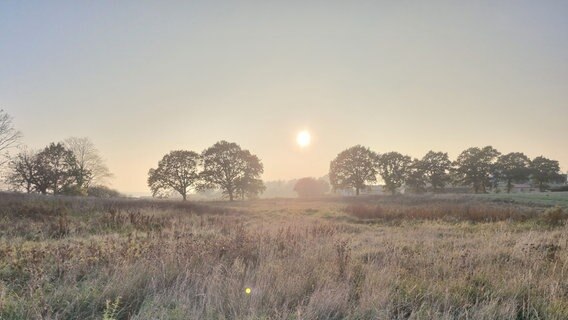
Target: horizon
[(142, 79)]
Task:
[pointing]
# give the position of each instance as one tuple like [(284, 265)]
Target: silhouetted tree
[(177, 171), (55, 169), (353, 168), (475, 166), (91, 167), (394, 168), (248, 185), (436, 166), (416, 179), (9, 136), (233, 170), (311, 187), (544, 171), (513, 167), (22, 170)]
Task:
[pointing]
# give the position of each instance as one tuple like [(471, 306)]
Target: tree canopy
[(236, 172), (544, 171), (475, 166), (311, 187), (177, 171), (353, 168), (513, 167), (393, 168)]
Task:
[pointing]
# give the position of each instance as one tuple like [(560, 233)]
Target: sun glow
[(303, 138)]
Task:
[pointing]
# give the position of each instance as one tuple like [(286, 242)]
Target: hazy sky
[(141, 78)]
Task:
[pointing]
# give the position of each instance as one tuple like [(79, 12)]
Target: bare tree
[(22, 170), (9, 136), (91, 168)]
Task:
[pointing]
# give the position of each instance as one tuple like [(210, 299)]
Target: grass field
[(402, 257)]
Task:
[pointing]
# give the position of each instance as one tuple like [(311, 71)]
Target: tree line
[(480, 168), (224, 166), (71, 167)]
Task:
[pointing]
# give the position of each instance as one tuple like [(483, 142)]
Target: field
[(400, 257)]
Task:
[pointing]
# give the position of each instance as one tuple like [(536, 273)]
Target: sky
[(142, 78)]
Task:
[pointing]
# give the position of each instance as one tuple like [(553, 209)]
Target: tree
[(513, 167), (233, 170), (9, 136), (55, 169), (177, 171), (353, 168), (99, 191), (248, 185), (475, 166), (436, 166), (544, 171), (393, 168), (22, 170), (91, 167), (416, 178), (311, 187)]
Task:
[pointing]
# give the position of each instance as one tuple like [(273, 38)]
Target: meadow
[(380, 257)]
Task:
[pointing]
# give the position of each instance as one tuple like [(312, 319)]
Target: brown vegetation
[(65, 258)]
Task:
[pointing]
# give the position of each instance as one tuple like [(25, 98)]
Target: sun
[(303, 138)]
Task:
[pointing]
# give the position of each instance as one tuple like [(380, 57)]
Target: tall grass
[(137, 262)]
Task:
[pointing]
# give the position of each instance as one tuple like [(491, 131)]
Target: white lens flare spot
[(303, 138)]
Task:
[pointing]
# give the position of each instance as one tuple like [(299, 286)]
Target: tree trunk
[(509, 186), (184, 195), (231, 196), (357, 191)]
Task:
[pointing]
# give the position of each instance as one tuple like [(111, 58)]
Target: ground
[(384, 257)]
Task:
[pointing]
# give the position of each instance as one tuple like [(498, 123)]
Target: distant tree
[(91, 167), (311, 187), (236, 172), (394, 168), (544, 171), (177, 171), (513, 167), (436, 166), (353, 168), (416, 179), (55, 169), (475, 166), (100, 191), (22, 170), (9, 136)]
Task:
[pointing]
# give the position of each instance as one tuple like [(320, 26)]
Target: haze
[(143, 78)]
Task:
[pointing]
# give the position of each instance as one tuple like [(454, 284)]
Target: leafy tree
[(311, 187), (394, 168), (248, 185), (544, 171), (416, 178), (91, 167), (55, 169), (177, 171), (9, 136), (513, 167), (233, 170), (353, 168), (436, 166), (475, 166)]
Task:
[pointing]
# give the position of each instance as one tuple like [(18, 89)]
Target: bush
[(554, 217)]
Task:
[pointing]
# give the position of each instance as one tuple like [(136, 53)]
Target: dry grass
[(302, 259)]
